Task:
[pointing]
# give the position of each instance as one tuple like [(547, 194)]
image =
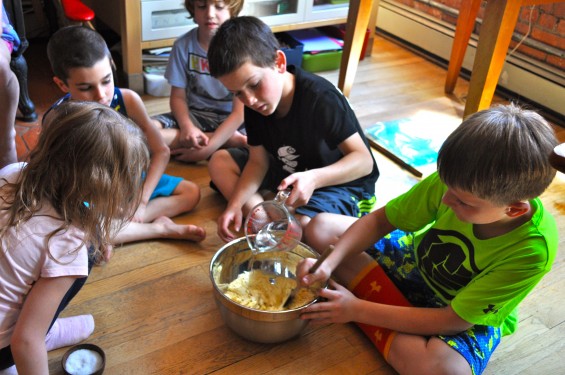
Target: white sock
[(69, 331), (9, 371)]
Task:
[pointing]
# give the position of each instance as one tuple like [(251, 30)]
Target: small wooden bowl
[(91, 347)]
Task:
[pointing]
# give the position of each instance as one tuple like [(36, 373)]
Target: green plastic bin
[(321, 61)]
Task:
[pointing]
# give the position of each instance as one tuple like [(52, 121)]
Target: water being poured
[(270, 235)]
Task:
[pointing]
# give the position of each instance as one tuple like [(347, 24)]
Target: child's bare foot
[(180, 231)]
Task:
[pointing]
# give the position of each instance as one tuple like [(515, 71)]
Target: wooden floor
[(153, 303)]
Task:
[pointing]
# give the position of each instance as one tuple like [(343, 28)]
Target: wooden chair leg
[(357, 22), (464, 28), (494, 38)]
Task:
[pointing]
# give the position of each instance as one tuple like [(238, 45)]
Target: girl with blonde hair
[(58, 215)]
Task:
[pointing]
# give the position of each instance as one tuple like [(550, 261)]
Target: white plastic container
[(156, 85)]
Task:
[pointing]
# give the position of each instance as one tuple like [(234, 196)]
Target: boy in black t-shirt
[(302, 133)]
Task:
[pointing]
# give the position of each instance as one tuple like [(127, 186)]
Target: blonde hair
[(234, 6), (88, 164)]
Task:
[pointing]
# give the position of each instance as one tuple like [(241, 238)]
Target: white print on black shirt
[(288, 157)]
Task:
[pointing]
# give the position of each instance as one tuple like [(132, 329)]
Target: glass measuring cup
[(269, 226)]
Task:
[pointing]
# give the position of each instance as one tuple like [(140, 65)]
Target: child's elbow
[(453, 324), (21, 345), (453, 331), (163, 151), (366, 167)]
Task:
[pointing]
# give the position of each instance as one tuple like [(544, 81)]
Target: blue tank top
[(117, 102)]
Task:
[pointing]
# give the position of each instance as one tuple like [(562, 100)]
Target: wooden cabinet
[(146, 24)]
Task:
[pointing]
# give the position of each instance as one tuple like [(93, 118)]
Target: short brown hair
[(239, 40), (75, 47), (500, 154)]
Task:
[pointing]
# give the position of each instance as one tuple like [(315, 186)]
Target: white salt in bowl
[(84, 359)]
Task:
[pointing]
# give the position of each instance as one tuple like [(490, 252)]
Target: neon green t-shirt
[(483, 280)]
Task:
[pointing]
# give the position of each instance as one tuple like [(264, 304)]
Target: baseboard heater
[(522, 76)]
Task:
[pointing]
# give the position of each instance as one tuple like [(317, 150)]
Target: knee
[(191, 193), (442, 367), (8, 80), (218, 161), (303, 220), (4, 65), (221, 165), (312, 232), (434, 358)]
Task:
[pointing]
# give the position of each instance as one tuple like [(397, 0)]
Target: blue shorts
[(165, 187), (344, 200), (395, 254)]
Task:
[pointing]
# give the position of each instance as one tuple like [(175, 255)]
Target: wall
[(545, 43), (535, 72)]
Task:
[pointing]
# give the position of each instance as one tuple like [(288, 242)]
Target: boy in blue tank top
[(82, 67)]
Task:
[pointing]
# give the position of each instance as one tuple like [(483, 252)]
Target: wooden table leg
[(357, 22), (465, 24), (494, 38)]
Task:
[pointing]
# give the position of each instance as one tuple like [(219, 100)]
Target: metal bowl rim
[(230, 303)]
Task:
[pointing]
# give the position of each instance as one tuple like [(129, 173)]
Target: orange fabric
[(372, 284)]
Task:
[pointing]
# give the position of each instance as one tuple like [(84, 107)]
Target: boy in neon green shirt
[(454, 256)]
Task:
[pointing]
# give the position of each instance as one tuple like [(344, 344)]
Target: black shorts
[(344, 200)]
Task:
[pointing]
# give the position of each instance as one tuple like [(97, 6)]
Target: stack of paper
[(315, 41)]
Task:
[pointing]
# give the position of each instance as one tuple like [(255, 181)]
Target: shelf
[(135, 36)]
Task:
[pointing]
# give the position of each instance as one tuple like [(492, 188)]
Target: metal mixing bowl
[(257, 325)]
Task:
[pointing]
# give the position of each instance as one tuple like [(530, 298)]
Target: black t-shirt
[(319, 119)]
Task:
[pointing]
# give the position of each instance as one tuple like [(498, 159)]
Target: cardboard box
[(292, 48)]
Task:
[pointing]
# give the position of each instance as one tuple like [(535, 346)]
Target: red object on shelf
[(338, 32), (75, 10)]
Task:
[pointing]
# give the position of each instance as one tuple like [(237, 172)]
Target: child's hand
[(193, 138), (305, 278), (225, 220), (339, 308), (303, 187)]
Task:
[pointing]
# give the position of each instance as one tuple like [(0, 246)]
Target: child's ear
[(280, 61), (62, 85), (517, 209)]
